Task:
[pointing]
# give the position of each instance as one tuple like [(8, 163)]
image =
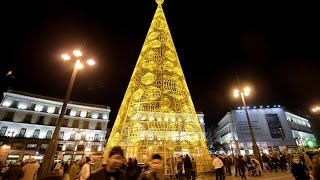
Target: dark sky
[(274, 48)]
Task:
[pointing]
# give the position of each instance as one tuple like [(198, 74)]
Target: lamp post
[(283, 139), (315, 124), (52, 147), (242, 94), (78, 138)]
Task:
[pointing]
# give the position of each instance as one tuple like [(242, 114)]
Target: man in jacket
[(112, 170), (156, 170)]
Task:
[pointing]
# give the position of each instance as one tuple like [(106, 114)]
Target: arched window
[(49, 134), (36, 133), (3, 130), (61, 135), (22, 132)]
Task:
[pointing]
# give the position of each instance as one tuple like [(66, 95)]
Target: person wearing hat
[(112, 170)]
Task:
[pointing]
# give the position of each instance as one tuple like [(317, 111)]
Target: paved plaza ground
[(265, 175)]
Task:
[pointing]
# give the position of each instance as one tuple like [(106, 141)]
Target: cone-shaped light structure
[(157, 114)]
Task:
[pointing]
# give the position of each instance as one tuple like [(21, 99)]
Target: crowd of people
[(301, 165), (20, 170)]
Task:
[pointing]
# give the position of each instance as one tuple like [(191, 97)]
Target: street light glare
[(315, 109), (79, 65), (236, 93), (247, 89), (65, 57), (91, 62), (77, 53)]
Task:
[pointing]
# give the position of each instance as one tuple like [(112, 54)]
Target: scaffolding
[(157, 114)]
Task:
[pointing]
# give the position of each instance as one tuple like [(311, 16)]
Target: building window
[(31, 146), (75, 124), (49, 134), (96, 137), (8, 116), (72, 136), (33, 105), (80, 148), (41, 120), (83, 137), (65, 123), (36, 133), (69, 147), (68, 111), (94, 148), (274, 125), (100, 115), (45, 108), (57, 110), (85, 125), (3, 130), (22, 132), (60, 146), (61, 135), (44, 146), (14, 104), (17, 146), (27, 118), (88, 114), (53, 121), (98, 126)]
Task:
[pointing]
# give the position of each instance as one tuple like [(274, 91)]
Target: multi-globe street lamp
[(48, 158), (242, 93)]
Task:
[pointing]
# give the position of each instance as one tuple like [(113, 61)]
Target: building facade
[(274, 129), (27, 123)]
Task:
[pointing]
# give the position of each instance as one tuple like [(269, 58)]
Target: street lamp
[(242, 93), (52, 147), (78, 139), (315, 109)]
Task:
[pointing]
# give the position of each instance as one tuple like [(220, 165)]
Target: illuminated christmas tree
[(157, 114)]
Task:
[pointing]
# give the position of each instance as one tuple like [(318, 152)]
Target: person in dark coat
[(242, 167), (133, 170), (156, 170), (14, 172), (228, 165), (187, 166), (112, 170), (316, 167), (299, 170)]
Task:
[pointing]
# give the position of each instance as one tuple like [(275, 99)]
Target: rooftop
[(55, 99)]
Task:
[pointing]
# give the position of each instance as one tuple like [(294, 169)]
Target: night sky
[(275, 49)]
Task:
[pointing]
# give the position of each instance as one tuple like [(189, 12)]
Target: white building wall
[(296, 129), (23, 104)]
